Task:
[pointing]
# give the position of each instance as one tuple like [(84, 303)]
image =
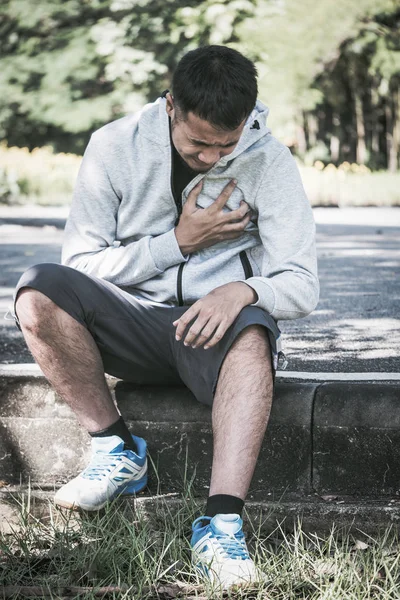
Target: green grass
[(145, 552)]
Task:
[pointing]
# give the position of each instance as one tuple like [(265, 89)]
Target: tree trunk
[(374, 117), (335, 140), (312, 126), (390, 135), (394, 154), (361, 152), (301, 136)]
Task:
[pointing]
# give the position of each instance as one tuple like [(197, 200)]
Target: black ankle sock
[(225, 504), (120, 429)]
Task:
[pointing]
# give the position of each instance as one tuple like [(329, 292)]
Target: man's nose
[(209, 156)]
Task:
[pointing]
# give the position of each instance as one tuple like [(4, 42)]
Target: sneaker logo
[(125, 470), (125, 474)]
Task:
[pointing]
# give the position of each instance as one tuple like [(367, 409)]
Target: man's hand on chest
[(203, 227)]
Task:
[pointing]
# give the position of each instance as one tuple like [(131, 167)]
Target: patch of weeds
[(140, 550)]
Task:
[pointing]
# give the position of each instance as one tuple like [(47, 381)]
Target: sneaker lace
[(234, 546), (101, 465)]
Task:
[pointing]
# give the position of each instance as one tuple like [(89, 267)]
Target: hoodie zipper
[(179, 211), (179, 285), (248, 271)]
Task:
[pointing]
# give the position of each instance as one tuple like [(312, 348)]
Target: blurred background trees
[(69, 66), (328, 70)]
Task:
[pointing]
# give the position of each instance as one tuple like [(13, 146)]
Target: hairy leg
[(241, 409), (69, 358)]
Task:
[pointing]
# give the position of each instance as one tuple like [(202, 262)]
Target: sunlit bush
[(39, 176), (349, 184)]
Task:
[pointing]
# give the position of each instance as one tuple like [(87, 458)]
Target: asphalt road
[(355, 328)]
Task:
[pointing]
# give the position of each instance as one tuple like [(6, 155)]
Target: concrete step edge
[(33, 370), (361, 516)]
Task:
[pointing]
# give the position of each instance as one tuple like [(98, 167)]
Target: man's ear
[(170, 105)]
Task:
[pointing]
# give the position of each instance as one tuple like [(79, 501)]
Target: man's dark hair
[(216, 83)]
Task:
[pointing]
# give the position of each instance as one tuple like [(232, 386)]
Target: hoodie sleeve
[(288, 287), (90, 243)]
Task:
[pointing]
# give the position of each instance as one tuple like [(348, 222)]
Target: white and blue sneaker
[(219, 551), (112, 471)]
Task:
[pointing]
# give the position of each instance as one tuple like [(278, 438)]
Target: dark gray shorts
[(137, 339)]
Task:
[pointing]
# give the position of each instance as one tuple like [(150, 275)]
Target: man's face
[(198, 142)]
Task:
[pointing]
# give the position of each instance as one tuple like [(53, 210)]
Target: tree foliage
[(69, 66)]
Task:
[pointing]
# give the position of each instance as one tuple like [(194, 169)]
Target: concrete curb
[(314, 514), (32, 369), (332, 437)]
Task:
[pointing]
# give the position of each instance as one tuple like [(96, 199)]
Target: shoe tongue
[(108, 445), (229, 524)]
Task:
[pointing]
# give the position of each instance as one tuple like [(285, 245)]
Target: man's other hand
[(214, 314), (203, 227)]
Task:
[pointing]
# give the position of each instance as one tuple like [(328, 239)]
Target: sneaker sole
[(65, 504), (209, 577), (130, 490)]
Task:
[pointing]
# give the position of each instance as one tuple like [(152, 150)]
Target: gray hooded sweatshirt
[(122, 221)]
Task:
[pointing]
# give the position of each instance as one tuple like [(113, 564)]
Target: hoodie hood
[(254, 129)]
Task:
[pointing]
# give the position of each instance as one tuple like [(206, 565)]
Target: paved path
[(356, 327)]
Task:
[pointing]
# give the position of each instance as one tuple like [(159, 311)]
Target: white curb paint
[(32, 369), (338, 376)]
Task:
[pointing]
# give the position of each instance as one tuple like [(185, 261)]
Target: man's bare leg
[(241, 409), (69, 358)]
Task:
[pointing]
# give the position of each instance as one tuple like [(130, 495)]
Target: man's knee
[(33, 308), (31, 305)]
